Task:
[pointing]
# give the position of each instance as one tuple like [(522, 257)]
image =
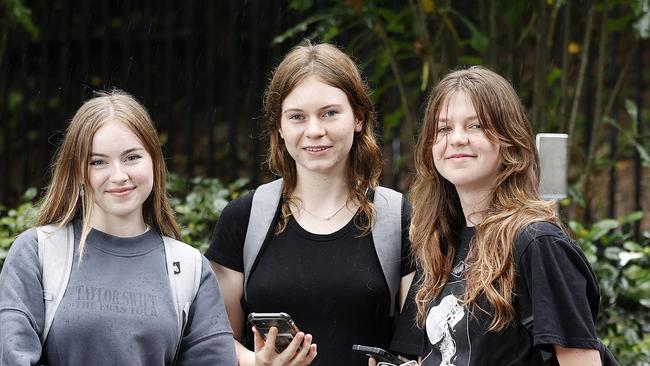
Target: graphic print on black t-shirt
[(447, 321), (562, 290)]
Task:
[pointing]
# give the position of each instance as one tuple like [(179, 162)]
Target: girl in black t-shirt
[(318, 262), (500, 282)]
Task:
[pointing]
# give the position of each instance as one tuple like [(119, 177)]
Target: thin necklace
[(328, 218)]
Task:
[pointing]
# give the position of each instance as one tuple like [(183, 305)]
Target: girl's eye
[(296, 116), (97, 162), (330, 114), (475, 125), (444, 129), (133, 157)]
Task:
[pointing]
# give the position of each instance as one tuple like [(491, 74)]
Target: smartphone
[(379, 354), (287, 329)]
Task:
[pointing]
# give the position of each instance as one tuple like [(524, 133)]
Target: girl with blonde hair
[(108, 189), (500, 282)]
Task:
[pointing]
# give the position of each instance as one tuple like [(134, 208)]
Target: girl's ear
[(358, 126), (281, 135)]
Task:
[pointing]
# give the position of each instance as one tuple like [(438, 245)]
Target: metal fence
[(199, 66)]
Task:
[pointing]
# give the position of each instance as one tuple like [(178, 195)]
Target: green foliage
[(543, 48), (623, 269), (197, 203), (16, 12), (641, 10), (16, 220), (621, 264)]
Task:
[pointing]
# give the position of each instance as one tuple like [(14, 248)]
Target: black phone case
[(287, 329), (379, 354)]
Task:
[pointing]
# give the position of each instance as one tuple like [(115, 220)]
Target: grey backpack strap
[(387, 236), (265, 204), (55, 254), (184, 270), (184, 267)]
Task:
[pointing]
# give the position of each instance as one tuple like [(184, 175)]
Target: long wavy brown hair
[(63, 201), (514, 200), (333, 67)]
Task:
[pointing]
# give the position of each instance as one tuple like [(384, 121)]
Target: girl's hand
[(300, 351)]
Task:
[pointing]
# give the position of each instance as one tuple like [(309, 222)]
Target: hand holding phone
[(379, 354), (295, 346), (287, 329)]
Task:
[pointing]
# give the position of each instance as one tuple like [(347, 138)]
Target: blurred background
[(580, 67)]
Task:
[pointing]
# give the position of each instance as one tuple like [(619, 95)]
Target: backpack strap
[(184, 267), (387, 236), (55, 256), (386, 232), (265, 204), (523, 305)]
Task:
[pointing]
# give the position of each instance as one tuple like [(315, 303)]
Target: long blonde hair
[(514, 200), (64, 202), (333, 67)]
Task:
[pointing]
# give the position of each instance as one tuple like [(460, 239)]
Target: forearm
[(577, 356)]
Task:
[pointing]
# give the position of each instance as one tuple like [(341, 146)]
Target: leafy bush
[(623, 269), (16, 220), (197, 203)]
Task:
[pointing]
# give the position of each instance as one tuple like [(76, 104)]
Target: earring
[(81, 191)]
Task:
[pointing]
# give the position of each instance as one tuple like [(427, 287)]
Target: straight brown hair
[(333, 67)]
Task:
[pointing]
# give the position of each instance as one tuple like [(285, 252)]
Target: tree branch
[(584, 58)]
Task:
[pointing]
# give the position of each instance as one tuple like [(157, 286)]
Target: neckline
[(121, 246), (294, 225)]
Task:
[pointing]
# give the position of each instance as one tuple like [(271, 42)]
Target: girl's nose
[(118, 174), (458, 137), (314, 128)]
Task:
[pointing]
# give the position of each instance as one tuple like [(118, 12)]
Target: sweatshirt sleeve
[(208, 339), (22, 311)]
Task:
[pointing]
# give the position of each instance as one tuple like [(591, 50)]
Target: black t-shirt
[(332, 285), (554, 275)]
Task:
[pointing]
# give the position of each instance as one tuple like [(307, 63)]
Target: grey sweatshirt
[(117, 308)]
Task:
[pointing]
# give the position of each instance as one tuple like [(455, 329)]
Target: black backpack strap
[(523, 303)]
